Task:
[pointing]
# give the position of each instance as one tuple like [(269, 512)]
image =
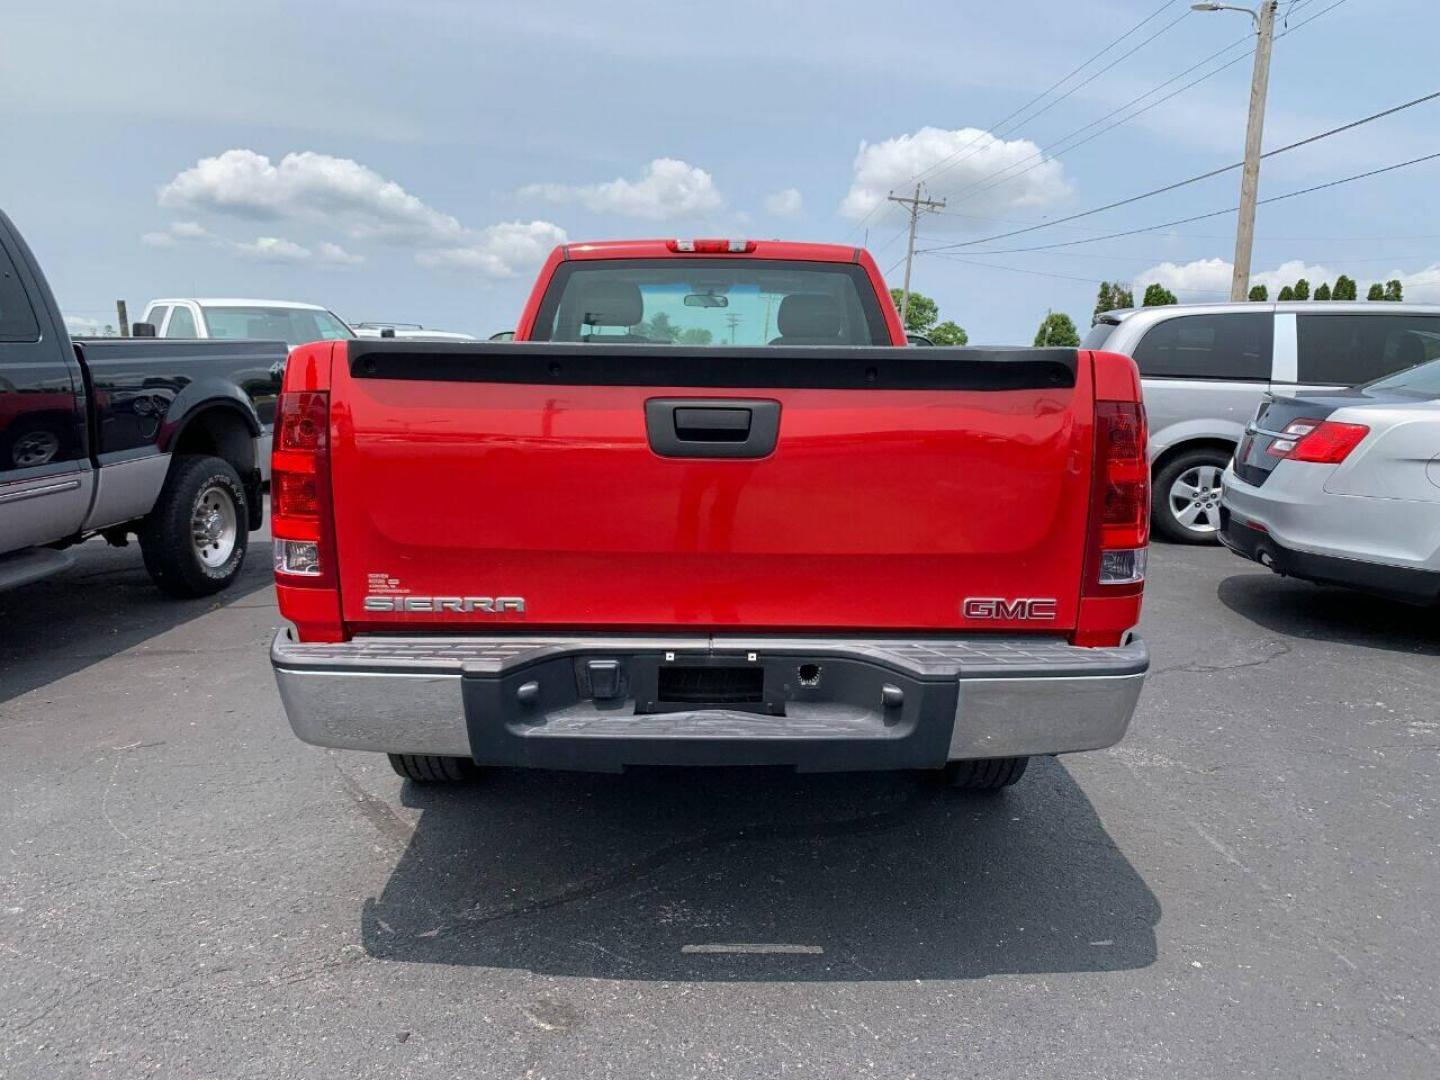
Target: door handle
[(712, 427)]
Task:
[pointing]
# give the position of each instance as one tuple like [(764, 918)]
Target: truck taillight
[(712, 247), (1121, 514), (1324, 441), (300, 489)]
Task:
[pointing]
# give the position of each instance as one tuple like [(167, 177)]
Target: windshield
[(744, 302), (1422, 380), (294, 326)]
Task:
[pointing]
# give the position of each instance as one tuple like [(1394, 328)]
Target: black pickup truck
[(116, 437)]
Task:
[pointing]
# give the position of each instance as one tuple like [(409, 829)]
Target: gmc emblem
[(996, 607)]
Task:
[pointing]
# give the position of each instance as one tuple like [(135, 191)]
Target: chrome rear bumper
[(875, 704)]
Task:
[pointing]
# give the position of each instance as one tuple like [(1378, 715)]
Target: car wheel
[(1187, 497), (987, 774), (195, 537), (433, 768)]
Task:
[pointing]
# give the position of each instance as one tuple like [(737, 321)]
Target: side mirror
[(919, 339), (142, 329)]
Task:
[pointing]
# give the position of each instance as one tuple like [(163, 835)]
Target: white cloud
[(308, 187), (274, 249), (1209, 279), (668, 189), (499, 251), (983, 177), (311, 189), (784, 204), (271, 249), (335, 255)]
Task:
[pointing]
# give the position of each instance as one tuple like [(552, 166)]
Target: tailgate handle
[(712, 427)]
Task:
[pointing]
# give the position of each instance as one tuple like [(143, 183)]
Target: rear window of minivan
[(1356, 347), (1233, 346)]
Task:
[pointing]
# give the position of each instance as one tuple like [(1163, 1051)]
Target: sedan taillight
[(1325, 442)]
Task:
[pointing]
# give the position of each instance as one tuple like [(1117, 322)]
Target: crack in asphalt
[(657, 860), (1283, 650)]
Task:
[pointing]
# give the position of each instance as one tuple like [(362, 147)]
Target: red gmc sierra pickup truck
[(709, 509)]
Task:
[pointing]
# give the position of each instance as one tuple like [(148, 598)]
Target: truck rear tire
[(988, 774), (433, 769), (194, 538)]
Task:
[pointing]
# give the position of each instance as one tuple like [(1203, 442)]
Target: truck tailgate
[(900, 484)]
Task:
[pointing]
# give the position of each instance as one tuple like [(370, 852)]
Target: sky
[(416, 161)]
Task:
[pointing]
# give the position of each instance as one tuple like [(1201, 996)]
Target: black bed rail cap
[(821, 367)]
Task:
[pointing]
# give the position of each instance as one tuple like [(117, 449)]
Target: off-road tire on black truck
[(433, 769), (168, 535), (988, 774)]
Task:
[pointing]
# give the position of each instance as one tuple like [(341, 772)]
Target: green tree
[(1394, 290), (1344, 288), (1057, 328), (1377, 292), (948, 333), (1302, 289), (1286, 293), (1112, 296), (1156, 295), (923, 314), (696, 335), (1323, 292), (1259, 292), (1104, 300), (659, 328)]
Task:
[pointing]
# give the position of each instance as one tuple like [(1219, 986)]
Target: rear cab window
[(1233, 347), (726, 301), (294, 326), (1345, 349), (182, 324), (17, 317)]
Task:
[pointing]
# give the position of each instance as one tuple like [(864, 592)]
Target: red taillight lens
[(303, 417), (1120, 455), (1122, 495), (295, 495), (299, 488), (1325, 442)]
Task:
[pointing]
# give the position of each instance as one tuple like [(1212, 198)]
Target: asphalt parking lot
[(1245, 887)]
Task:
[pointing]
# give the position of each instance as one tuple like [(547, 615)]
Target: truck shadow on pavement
[(101, 606), (756, 875), (1299, 609)]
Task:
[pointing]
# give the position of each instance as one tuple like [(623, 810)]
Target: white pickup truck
[(229, 318)]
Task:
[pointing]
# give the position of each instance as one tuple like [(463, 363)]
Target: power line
[(1204, 217), (942, 166), (1039, 157), (1005, 119), (1196, 179)]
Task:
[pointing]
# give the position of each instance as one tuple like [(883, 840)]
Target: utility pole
[(124, 318), (1264, 20), (916, 204), (732, 320)]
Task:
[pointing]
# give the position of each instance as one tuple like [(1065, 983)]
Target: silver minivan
[(1206, 368)]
